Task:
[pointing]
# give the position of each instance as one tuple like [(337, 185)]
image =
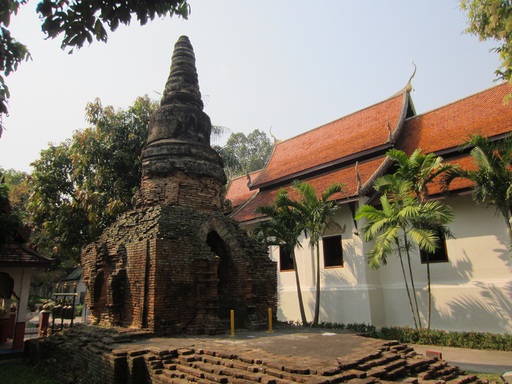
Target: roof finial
[(408, 87), (249, 181), (276, 140)]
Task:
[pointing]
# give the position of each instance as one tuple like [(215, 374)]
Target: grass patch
[(487, 377), (17, 372)]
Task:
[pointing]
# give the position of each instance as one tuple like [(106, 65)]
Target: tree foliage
[(17, 183), (289, 217), (419, 169), (315, 212), (82, 21), (493, 177), (78, 22), (243, 154), (9, 219), (81, 185), (492, 19), (283, 228), (12, 52), (406, 220)]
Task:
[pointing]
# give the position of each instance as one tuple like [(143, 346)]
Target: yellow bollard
[(232, 312), (270, 321)]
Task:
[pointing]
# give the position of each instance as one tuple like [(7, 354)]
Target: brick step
[(387, 358), (353, 363), (396, 373), (346, 376), (449, 373), (393, 363), (244, 370), (172, 380), (396, 364), (189, 371), (465, 379), (419, 364)]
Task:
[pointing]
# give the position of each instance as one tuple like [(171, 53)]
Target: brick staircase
[(107, 355), (393, 363)]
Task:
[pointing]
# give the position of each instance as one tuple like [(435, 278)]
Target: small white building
[(17, 261), (471, 280)]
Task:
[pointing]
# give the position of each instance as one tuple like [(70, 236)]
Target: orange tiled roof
[(442, 130), (238, 190), (346, 175), (464, 161), (363, 130), (450, 126)]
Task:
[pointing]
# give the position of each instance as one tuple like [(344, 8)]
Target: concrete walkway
[(472, 359)]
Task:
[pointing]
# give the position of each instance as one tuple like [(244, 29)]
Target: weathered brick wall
[(138, 257), (115, 269), (155, 269), (84, 354), (185, 190)]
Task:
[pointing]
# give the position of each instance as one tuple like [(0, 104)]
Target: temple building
[(177, 263), (471, 276)]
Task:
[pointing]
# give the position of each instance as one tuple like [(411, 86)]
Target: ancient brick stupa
[(177, 263)]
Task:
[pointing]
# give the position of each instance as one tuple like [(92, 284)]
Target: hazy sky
[(292, 65)]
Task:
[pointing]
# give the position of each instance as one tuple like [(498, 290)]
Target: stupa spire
[(178, 152), (182, 85)]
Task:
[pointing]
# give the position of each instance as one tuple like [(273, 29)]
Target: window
[(439, 256), (333, 252), (285, 259)]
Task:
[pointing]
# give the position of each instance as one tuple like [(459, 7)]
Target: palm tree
[(283, 228), (419, 170), (315, 212), (493, 178), (399, 224)]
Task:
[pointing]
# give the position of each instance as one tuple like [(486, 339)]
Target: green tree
[(399, 225), (12, 52), (83, 184), (9, 219), (492, 19), (243, 154), (420, 170), (60, 226), (493, 177), (17, 182), (283, 228), (77, 22), (315, 212)]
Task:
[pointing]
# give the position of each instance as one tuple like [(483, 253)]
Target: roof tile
[(238, 189), (19, 255), (357, 132), (484, 113), (346, 175)]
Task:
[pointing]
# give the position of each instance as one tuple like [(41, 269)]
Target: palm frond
[(426, 239)]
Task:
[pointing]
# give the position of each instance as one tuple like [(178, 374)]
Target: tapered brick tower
[(177, 263)]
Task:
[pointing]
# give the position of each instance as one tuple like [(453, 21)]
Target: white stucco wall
[(471, 292), (345, 296), (21, 278)]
